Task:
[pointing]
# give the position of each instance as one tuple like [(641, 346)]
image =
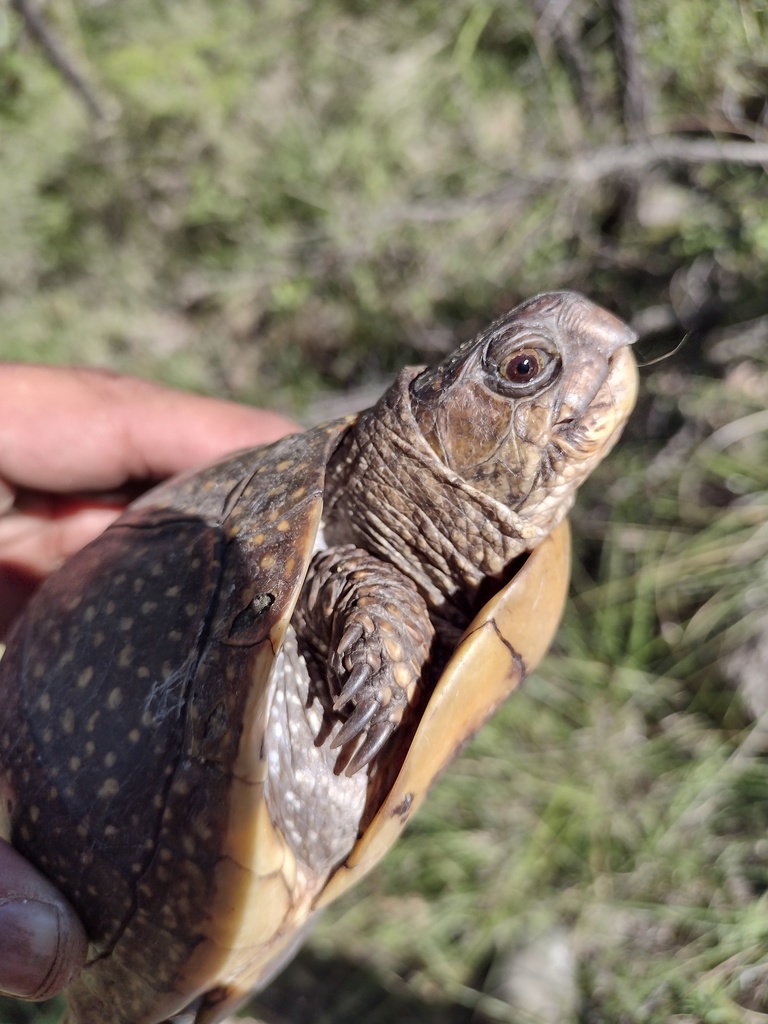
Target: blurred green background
[(283, 201)]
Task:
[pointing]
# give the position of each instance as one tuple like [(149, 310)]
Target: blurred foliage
[(293, 196), (296, 194)]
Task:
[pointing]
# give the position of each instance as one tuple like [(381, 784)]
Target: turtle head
[(526, 410)]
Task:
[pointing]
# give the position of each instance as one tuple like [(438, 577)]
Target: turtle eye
[(524, 367), (527, 370)]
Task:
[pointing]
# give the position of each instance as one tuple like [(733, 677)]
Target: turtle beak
[(605, 363), (607, 332), (596, 425)]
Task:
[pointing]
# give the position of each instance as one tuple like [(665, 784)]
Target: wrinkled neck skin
[(388, 492)]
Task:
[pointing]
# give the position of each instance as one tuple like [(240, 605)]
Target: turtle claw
[(356, 723), (351, 635), (370, 746), (358, 677)]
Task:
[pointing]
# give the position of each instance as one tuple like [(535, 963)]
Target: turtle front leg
[(368, 627)]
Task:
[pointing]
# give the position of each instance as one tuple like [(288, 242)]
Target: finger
[(40, 542), (65, 429), (42, 942), (33, 545)]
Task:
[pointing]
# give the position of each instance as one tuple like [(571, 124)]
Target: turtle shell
[(134, 699)]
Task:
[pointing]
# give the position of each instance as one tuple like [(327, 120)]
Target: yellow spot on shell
[(85, 677), (45, 702), (125, 656), (268, 562), (74, 764), (134, 735), (283, 526), (34, 812), (68, 721), (115, 698), (109, 787), (110, 759)]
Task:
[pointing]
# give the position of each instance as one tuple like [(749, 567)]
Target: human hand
[(76, 445)]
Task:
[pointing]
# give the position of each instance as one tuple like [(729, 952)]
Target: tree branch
[(630, 65), (57, 56), (628, 159)]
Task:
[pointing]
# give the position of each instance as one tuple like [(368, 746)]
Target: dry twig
[(628, 160), (631, 72), (555, 27), (58, 57)]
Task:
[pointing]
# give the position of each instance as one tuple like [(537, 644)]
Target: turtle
[(221, 713)]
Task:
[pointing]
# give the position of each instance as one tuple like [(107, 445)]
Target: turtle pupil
[(523, 368)]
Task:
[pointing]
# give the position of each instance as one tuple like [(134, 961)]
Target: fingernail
[(29, 945)]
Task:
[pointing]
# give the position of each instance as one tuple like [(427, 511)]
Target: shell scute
[(111, 727), (156, 614)]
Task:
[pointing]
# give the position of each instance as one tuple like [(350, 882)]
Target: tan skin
[(75, 446)]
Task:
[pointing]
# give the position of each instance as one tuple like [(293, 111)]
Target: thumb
[(42, 942)]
